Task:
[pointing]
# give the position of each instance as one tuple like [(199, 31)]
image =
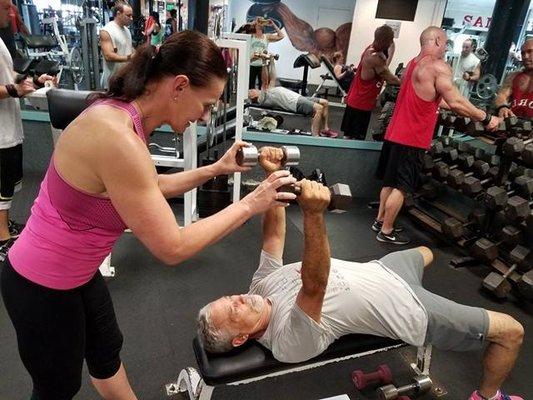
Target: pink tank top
[(69, 232)]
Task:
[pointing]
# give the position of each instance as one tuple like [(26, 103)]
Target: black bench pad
[(253, 360)]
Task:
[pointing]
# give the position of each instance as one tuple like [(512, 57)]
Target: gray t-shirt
[(279, 97), (11, 133), (365, 298), (121, 39)]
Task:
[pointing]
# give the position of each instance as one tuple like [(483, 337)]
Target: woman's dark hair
[(173, 13), (155, 16), (246, 28), (189, 53)]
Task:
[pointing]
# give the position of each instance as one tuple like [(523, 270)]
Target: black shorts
[(400, 166), (355, 123), (10, 174), (58, 329)]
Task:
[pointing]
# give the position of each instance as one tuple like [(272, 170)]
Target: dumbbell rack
[(419, 206)]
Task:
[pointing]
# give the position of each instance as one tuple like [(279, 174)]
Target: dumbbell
[(496, 197), (480, 169), (527, 154), (461, 123), (477, 152), (249, 156), (514, 146), (525, 285), (341, 196), (517, 209), (487, 251), (498, 284), (381, 376), (454, 229), (524, 186), (472, 186), (421, 384)]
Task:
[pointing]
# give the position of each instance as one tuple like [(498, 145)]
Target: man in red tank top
[(366, 86), (426, 84), (516, 95)]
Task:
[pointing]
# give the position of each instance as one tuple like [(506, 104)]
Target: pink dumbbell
[(382, 376)]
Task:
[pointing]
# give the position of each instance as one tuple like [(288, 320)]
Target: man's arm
[(274, 223), (383, 71), (109, 51), (313, 200), (476, 73), (457, 103), (504, 96), (22, 89)]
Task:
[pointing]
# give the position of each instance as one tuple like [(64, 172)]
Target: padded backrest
[(309, 60), (331, 69), (65, 105), (252, 360)]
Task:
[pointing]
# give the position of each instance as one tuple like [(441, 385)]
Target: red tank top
[(414, 119), (522, 104), (363, 93)]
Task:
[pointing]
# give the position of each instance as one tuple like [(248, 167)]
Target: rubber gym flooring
[(156, 306)]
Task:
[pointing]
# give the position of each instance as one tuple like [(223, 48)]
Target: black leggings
[(255, 74), (58, 329)]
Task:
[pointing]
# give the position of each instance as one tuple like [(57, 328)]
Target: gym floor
[(156, 306)]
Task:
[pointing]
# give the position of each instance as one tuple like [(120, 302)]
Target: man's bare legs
[(316, 122), (4, 225), (115, 388), (325, 114), (505, 337), (391, 201)]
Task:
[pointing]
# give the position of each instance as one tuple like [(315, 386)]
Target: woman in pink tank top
[(101, 179)]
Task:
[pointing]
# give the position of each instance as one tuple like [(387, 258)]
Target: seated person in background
[(372, 71), (344, 73), (516, 95), (271, 95), (297, 310)]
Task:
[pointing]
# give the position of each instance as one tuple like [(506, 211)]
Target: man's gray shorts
[(304, 105), (451, 326)]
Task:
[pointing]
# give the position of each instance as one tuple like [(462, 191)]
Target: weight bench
[(252, 362), (254, 106)]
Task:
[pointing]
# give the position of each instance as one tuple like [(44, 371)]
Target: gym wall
[(429, 12), (317, 13)]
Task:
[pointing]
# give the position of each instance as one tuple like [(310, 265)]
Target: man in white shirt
[(298, 310), (115, 41), (11, 135), (467, 69)]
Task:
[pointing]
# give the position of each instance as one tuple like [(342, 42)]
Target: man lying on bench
[(278, 97), (297, 310)]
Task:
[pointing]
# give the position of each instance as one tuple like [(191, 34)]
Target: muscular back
[(370, 60), (425, 74)]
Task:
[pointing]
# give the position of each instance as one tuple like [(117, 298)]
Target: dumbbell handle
[(249, 156), (339, 206), (510, 271)]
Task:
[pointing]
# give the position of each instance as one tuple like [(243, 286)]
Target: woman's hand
[(266, 196), (228, 162)]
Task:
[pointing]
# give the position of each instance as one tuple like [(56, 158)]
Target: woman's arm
[(128, 174)]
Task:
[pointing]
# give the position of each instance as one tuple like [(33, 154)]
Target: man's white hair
[(213, 339)]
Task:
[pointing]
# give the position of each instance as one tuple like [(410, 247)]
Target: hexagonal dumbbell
[(487, 251), (249, 156), (527, 155), (421, 384), (525, 285), (514, 146), (517, 209), (498, 284), (340, 200), (454, 229), (382, 376)]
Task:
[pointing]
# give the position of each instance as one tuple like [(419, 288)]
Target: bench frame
[(190, 380)]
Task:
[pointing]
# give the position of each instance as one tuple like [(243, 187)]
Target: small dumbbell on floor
[(421, 384), (249, 156), (382, 376)]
